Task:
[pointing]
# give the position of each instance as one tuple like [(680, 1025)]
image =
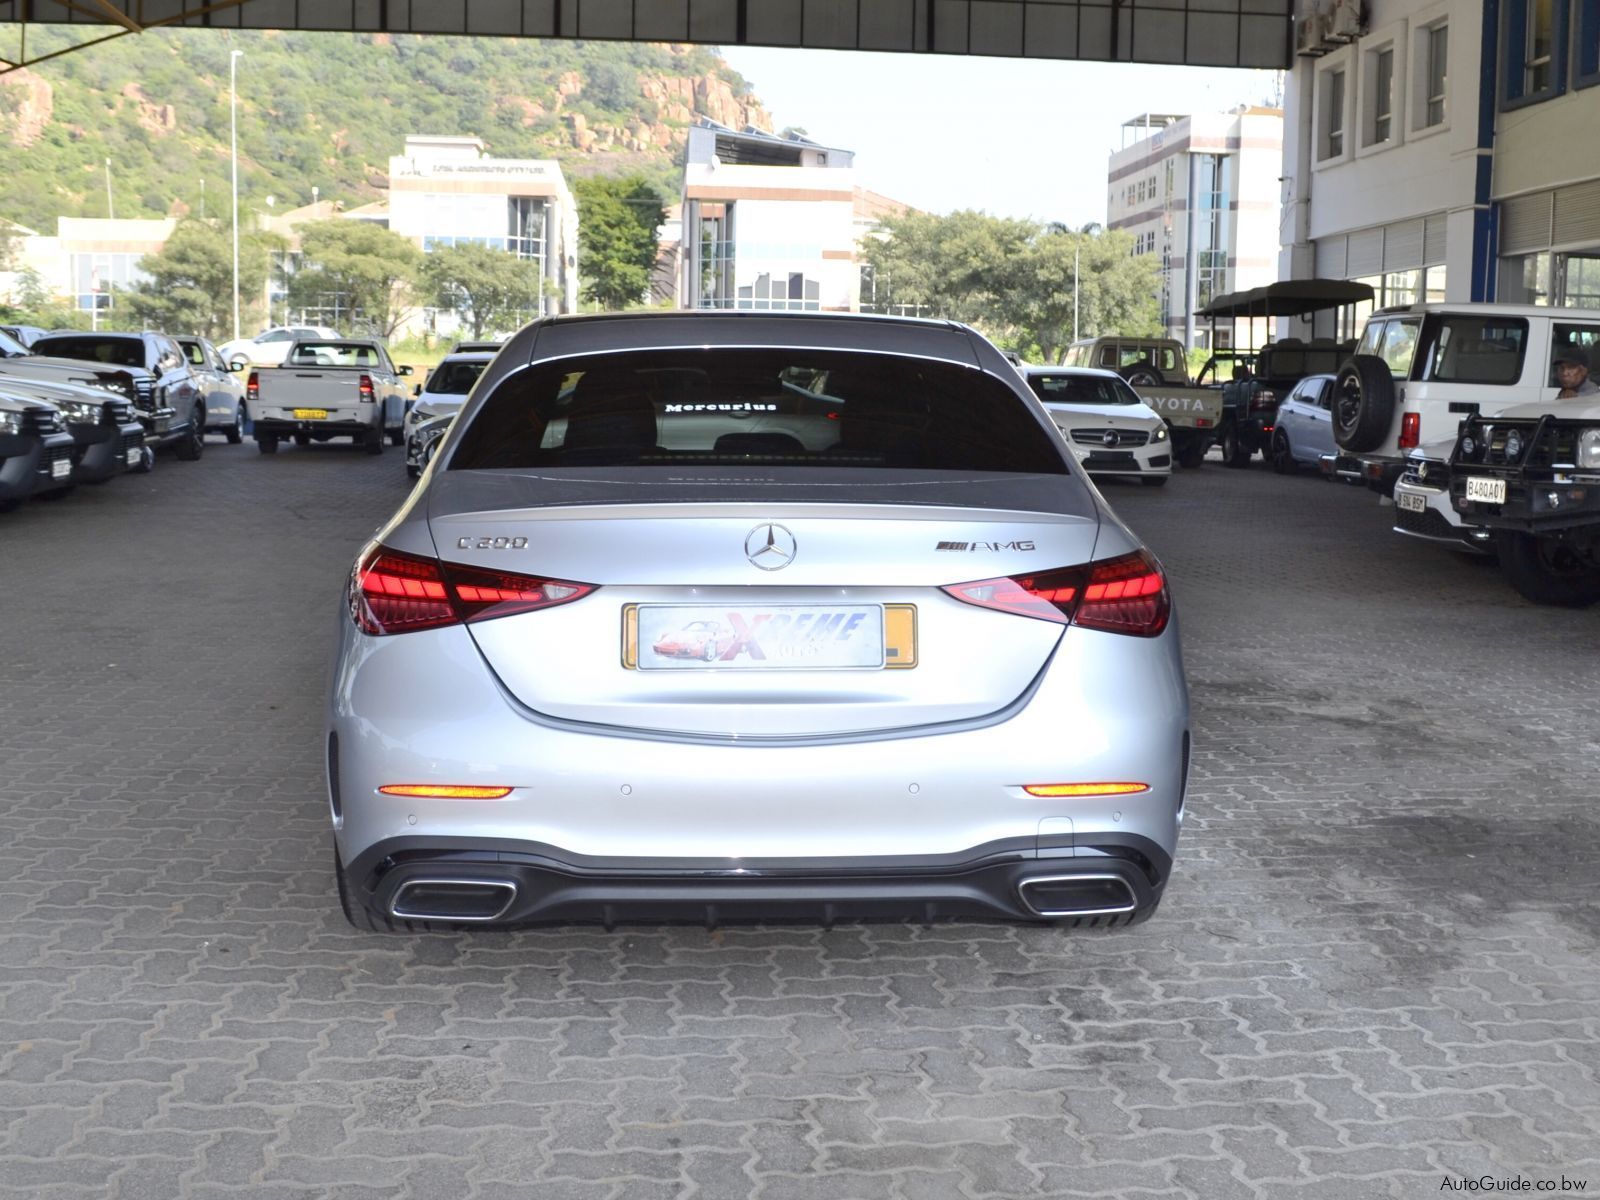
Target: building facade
[(89, 259), (767, 222), (447, 191), (1206, 181), (1445, 149)]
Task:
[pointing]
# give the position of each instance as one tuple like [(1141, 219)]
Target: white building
[(88, 259), (1447, 149), (1207, 180), (767, 222), (445, 191)]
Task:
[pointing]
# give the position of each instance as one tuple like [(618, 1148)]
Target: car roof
[(473, 356), (1089, 372)]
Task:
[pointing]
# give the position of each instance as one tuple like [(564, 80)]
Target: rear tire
[(1191, 457), (374, 441), (194, 442), (1548, 570), (1155, 480), (1282, 456), (358, 914), (267, 443), (397, 437), (302, 439), (1235, 453)]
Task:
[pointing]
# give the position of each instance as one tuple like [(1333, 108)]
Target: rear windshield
[(1081, 389), (333, 354), (776, 407), (454, 378), (1478, 350), (115, 351)]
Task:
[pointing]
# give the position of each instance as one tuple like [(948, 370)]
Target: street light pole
[(111, 209), (233, 106), (1076, 246)]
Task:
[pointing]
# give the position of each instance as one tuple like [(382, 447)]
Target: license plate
[(1410, 502), (310, 414), (134, 456), (777, 637), (1486, 491), (61, 468)]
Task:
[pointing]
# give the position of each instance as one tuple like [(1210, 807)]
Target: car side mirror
[(404, 370), (238, 364)]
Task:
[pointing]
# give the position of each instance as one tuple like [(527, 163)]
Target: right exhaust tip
[(1077, 895)]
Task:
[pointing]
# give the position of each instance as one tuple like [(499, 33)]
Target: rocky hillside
[(156, 104)]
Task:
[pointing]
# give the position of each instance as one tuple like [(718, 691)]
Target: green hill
[(327, 110)]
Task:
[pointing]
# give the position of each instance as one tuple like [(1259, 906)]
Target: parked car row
[(1481, 422)]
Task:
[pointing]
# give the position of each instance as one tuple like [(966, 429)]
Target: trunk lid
[(706, 620)]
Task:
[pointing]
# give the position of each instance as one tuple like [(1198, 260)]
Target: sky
[(1014, 137)]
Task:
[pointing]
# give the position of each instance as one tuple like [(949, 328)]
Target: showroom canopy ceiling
[(1213, 33)]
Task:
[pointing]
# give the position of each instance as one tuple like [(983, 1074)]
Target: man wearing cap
[(1572, 373)]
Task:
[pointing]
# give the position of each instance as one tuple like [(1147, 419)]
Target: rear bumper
[(452, 881), (332, 427)]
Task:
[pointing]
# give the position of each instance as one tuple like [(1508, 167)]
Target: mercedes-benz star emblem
[(1111, 437), (770, 547)]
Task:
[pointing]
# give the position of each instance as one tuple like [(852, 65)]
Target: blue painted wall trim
[(1486, 218)]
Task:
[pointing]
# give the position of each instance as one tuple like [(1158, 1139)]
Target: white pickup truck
[(328, 388)]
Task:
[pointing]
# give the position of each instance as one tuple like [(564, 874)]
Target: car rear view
[(704, 617)]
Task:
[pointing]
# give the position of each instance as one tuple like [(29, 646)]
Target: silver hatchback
[(745, 615)]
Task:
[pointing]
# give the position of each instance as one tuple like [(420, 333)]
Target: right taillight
[(1127, 594), (394, 592)]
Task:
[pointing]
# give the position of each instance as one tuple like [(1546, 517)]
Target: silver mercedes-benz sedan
[(748, 615)]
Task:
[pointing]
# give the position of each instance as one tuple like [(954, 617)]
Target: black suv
[(175, 412)]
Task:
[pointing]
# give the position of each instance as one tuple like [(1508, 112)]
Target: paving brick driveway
[(1376, 970)]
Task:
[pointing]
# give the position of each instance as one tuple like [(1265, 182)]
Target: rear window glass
[(1081, 389), (333, 354), (454, 378), (1478, 350), (117, 352), (772, 407)]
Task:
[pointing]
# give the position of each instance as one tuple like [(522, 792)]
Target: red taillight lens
[(1119, 595), (393, 592), (1126, 595), (365, 387), (1410, 430), (252, 387), (1050, 596)]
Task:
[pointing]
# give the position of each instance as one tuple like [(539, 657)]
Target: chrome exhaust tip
[(1102, 895), (434, 899)]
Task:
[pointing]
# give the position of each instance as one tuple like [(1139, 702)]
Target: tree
[(1015, 279), (617, 223), (190, 289), (488, 289), (374, 273)]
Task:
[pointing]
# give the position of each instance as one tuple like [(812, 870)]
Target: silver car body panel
[(706, 766)]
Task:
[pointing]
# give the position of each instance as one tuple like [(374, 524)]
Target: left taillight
[(252, 389), (364, 387), (1127, 594), (1410, 430), (394, 592)]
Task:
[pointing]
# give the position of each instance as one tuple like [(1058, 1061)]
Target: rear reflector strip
[(1085, 789), (445, 791)]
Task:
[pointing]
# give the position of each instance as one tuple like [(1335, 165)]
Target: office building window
[(1436, 51), (1588, 57), (1535, 50), (1382, 95), (1332, 114)]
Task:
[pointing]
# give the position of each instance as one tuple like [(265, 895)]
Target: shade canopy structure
[(1290, 298), (1213, 33)]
